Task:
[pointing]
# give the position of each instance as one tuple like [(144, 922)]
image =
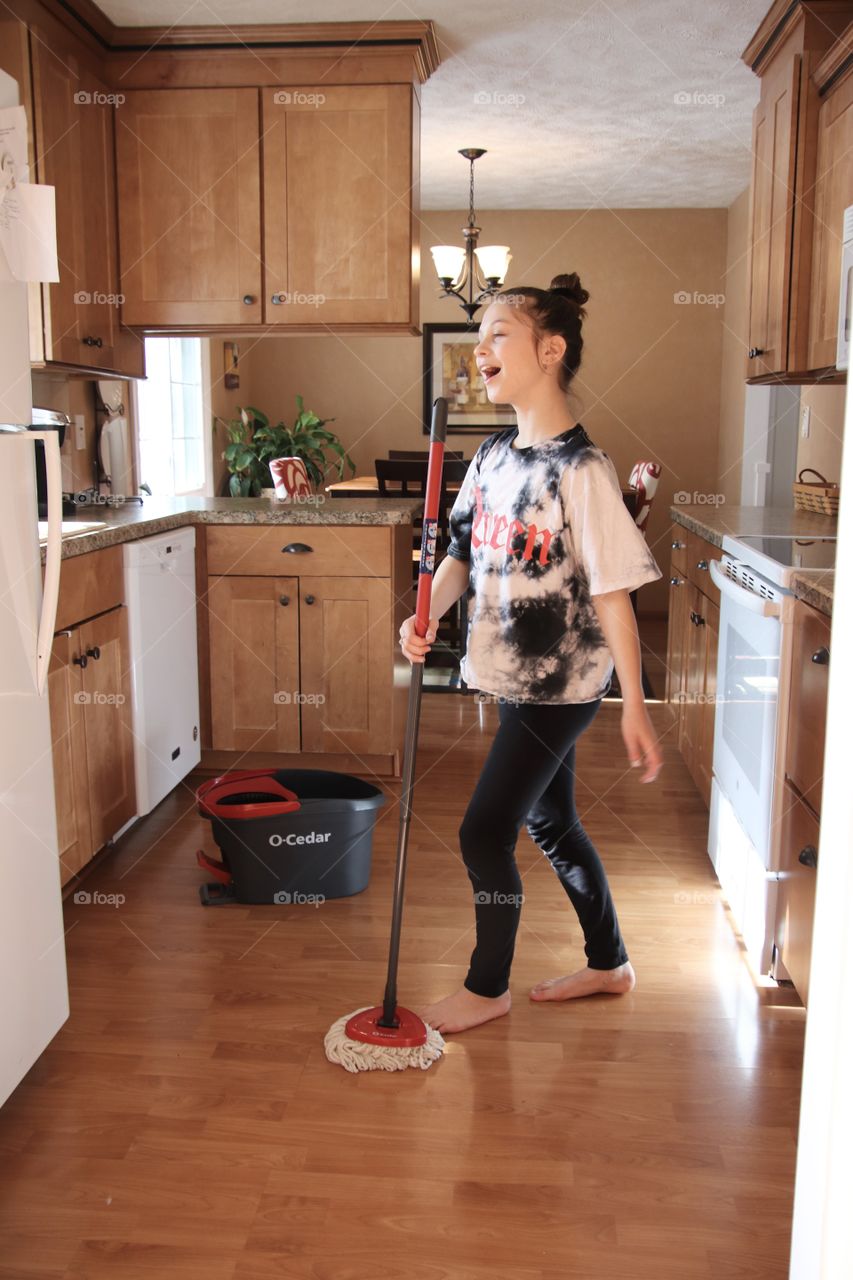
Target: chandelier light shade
[(473, 273)]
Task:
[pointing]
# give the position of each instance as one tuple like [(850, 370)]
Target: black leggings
[(529, 777)]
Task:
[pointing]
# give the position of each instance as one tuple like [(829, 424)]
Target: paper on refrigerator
[(27, 210)]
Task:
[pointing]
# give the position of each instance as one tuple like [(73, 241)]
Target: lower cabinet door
[(345, 663), (254, 663), (707, 709), (68, 736), (797, 876), (108, 712)]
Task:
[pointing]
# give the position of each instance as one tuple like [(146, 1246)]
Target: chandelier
[(462, 271)]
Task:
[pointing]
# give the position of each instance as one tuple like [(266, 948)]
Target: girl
[(548, 553)]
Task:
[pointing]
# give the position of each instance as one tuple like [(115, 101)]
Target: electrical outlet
[(79, 431), (805, 421)]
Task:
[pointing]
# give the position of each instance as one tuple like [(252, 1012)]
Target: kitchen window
[(172, 409)]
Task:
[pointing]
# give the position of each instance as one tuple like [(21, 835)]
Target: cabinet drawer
[(800, 837), (678, 542), (324, 550), (809, 692), (700, 552), (89, 584)]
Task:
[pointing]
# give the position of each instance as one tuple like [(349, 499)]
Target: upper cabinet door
[(774, 138), (338, 205), (189, 207), (833, 193)]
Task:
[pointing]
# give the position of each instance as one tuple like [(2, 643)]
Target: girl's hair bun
[(569, 286)]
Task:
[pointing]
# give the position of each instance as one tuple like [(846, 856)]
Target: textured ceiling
[(612, 103)]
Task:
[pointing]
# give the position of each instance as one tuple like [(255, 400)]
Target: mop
[(388, 1037)]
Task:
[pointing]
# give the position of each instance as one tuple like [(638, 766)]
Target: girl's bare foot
[(587, 982), (464, 1009)]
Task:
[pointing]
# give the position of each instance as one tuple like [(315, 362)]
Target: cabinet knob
[(309, 599), (696, 618), (701, 564), (93, 342), (755, 351), (808, 856), (675, 582), (94, 652), (821, 656), (297, 548), (81, 661), (284, 599), (277, 299), (676, 546), (248, 299)]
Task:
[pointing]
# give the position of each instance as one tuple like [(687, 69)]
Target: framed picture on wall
[(450, 370)]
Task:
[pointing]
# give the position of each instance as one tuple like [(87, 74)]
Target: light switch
[(805, 421), (79, 431)]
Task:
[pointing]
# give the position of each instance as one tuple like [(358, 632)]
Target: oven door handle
[(740, 596)]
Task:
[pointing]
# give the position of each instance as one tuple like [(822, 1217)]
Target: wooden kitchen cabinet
[(254, 663), (338, 214), (692, 644), (189, 207), (833, 194), (91, 714), (345, 660), (785, 52), (77, 323), (800, 816)]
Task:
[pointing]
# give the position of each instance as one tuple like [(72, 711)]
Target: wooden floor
[(185, 1122)]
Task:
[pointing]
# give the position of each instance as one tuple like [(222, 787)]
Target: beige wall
[(649, 385), (735, 344), (822, 450)]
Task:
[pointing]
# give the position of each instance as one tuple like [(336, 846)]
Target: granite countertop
[(157, 515), (713, 522), (815, 587)]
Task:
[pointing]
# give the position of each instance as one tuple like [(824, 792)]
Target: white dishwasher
[(159, 575)]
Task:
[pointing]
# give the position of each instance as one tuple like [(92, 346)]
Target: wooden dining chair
[(422, 454)]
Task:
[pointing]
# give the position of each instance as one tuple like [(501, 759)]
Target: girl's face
[(509, 356)]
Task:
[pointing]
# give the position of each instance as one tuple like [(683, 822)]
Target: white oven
[(752, 614)]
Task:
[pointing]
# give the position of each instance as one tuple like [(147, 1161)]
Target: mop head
[(357, 1055)]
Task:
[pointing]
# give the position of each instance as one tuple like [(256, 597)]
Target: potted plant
[(254, 444)]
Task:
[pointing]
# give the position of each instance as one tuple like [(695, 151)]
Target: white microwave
[(845, 297)]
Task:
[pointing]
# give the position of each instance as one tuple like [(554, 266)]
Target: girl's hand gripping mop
[(388, 1037)]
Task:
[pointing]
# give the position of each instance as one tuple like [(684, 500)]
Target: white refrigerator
[(33, 984)]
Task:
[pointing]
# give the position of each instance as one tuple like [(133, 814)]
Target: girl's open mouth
[(489, 371)]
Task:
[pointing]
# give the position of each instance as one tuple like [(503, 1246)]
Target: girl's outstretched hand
[(641, 741), (416, 647)]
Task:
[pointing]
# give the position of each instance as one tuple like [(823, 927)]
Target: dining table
[(368, 487)]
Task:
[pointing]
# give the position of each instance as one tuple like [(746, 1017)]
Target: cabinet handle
[(675, 582), (297, 548), (284, 599), (696, 618), (94, 652), (81, 661), (755, 351), (248, 299), (309, 599), (676, 546), (821, 656), (701, 564), (808, 856), (93, 342)]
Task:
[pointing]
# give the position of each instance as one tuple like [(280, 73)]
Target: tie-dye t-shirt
[(544, 529)]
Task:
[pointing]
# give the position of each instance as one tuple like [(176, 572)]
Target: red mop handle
[(432, 499)]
